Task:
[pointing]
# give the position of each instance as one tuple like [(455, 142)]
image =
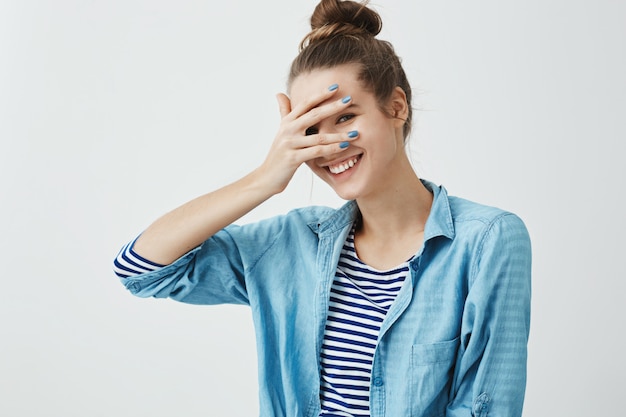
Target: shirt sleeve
[(490, 374), (128, 263), (214, 272)]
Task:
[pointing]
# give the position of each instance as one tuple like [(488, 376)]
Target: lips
[(344, 165)]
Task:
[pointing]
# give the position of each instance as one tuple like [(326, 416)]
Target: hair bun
[(348, 18)]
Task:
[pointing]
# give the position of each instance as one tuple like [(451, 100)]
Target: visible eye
[(311, 131), (345, 118)]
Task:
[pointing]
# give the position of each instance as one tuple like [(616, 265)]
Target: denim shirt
[(454, 343)]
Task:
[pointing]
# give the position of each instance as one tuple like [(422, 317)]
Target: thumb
[(284, 104)]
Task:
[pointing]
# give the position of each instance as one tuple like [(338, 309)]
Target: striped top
[(128, 263), (360, 297)]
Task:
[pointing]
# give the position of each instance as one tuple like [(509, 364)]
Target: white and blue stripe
[(359, 300), (128, 263)]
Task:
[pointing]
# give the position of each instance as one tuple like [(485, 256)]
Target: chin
[(346, 194), (346, 190)]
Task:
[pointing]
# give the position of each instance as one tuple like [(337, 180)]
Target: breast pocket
[(432, 369)]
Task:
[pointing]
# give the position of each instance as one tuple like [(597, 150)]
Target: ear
[(397, 105)]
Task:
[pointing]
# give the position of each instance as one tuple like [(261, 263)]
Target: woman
[(404, 301)]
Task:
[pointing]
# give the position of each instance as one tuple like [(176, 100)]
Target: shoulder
[(483, 221), (301, 217), (490, 231), (464, 210), (310, 214), (293, 220)]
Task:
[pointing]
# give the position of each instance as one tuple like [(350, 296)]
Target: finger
[(312, 102), (284, 104), (337, 139), (322, 151), (317, 114)]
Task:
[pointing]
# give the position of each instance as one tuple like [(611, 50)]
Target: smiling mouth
[(344, 166)]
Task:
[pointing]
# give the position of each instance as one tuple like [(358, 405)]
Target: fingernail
[(353, 134), (344, 145), (346, 99), (333, 87)]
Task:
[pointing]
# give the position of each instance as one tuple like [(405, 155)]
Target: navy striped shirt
[(128, 263), (360, 297)]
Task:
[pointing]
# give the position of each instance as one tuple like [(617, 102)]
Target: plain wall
[(114, 112)]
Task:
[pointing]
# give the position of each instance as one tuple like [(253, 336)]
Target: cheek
[(320, 172), (313, 167)]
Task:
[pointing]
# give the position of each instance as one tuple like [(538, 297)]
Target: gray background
[(113, 112)]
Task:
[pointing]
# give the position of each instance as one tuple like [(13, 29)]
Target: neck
[(400, 209)]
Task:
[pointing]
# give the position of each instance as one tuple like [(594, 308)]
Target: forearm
[(187, 226)]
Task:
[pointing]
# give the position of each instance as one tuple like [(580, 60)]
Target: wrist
[(263, 180)]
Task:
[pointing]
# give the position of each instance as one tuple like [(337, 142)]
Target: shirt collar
[(337, 221), (439, 222)]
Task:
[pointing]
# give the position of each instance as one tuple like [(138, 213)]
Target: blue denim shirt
[(453, 344)]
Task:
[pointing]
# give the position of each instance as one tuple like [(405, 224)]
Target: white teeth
[(338, 169)]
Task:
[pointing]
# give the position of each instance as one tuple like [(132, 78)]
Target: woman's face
[(366, 167)]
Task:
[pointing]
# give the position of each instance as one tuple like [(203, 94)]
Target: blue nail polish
[(353, 134), (346, 99), (344, 145), (333, 87)]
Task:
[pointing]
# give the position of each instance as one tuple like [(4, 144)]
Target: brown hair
[(344, 32)]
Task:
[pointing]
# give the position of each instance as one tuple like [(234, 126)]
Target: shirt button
[(378, 381)]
